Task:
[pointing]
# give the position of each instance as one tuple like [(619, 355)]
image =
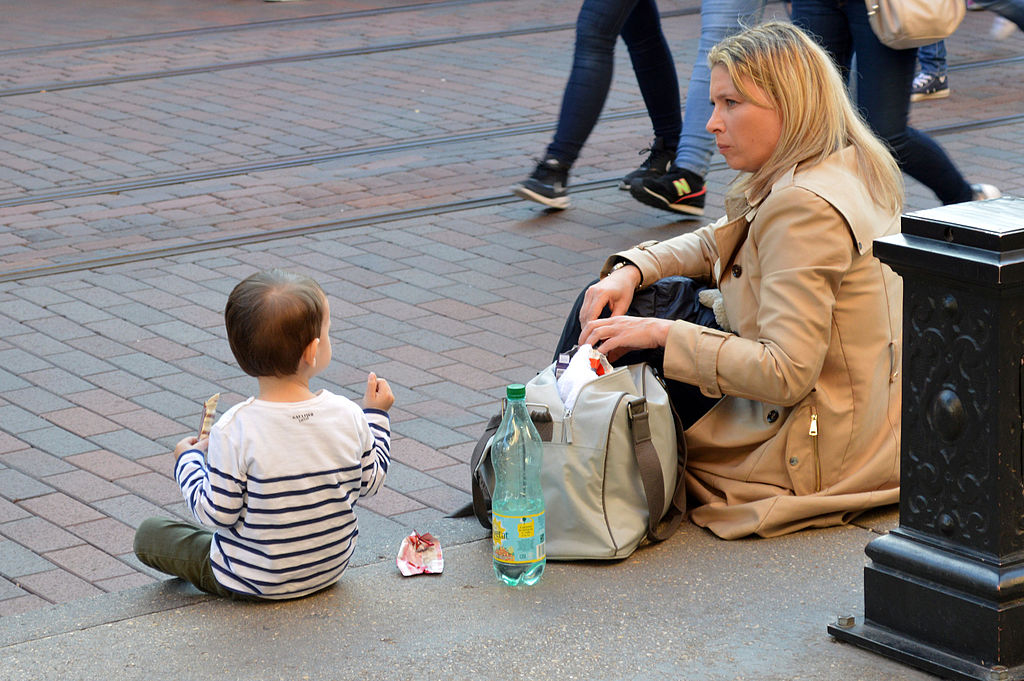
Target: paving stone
[(9, 511), (102, 401), (60, 509), (129, 509), (38, 535), (129, 581), (127, 444), (150, 424), (387, 503), (80, 363), (80, 421), (57, 441), (34, 399), (18, 420), (58, 381), (106, 465), (16, 486), (83, 485), (156, 487), (35, 463), (58, 586), (16, 561), (88, 562), (107, 534), (21, 604)]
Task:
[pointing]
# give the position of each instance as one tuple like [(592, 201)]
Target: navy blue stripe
[(249, 544), (380, 428), (227, 493), (300, 476), (304, 566), (227, 476), (371, 410), (308, 578), (305, 507), (298, 523), (300, 492)]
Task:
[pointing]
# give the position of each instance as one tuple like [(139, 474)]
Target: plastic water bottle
[(517, 505)]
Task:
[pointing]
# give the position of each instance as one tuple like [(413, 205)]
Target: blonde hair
[(803, 85)]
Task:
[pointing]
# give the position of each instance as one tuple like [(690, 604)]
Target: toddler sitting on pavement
[(280, 473)]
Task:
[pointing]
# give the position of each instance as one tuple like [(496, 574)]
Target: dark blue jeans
[(598, 26), (883, 81), (1010, 9)]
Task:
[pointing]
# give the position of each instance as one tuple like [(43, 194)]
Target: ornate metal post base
[(944, 591)]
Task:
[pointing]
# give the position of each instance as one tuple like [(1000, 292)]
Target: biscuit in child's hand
[(209, 413)]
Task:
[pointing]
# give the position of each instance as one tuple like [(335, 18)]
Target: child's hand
[(378, 393), (191, 442)]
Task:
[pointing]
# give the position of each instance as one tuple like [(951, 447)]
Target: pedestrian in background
[(883, 88)]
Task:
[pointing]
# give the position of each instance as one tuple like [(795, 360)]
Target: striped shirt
[(278, 486)]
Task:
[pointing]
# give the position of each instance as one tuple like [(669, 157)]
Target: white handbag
[(902, 24), (612, 469)]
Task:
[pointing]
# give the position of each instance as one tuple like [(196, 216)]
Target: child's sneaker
[(547, 184), (678, 190), (985, 191), (929, 86), (656, 165)]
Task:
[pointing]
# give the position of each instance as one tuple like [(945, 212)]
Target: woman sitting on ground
[(805, 423)]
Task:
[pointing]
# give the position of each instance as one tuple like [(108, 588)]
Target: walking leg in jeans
[(1009, 9), (681, 189), (597, 28), (931, 81), (883, 82)]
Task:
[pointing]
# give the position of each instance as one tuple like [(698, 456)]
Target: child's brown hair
[(271, 317)]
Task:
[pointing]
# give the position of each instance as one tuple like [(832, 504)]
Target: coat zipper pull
[(813, 432)]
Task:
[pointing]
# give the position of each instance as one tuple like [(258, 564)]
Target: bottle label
[(518, 538)]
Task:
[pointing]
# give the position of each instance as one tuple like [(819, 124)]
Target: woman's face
[(746, 133)]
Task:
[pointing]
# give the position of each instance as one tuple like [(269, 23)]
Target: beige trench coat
[(807, 433)]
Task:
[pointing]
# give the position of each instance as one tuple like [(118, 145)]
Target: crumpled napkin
[(420, 554), (586, 365)]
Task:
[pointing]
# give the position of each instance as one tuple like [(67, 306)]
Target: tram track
[(380, 218), (169, 179), (59, 86), (235, 28)]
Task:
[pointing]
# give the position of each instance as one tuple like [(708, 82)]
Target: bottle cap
[(516, 391)]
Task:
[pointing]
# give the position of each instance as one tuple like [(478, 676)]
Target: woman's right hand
[(615, 292)]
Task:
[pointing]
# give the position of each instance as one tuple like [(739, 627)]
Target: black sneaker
[(678, 190), (929, 86), (547, 185), (656, 165)]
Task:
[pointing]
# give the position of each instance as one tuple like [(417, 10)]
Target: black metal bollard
[(944, 591)]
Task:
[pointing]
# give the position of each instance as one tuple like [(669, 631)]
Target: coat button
[(773, 416), (737, 270), (793, 461)]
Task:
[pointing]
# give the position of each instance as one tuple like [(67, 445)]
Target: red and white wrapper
[(420, 554)]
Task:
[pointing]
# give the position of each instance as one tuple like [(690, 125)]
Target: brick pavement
[(102, 368)]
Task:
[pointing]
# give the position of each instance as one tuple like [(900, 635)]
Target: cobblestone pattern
[(103, 370)]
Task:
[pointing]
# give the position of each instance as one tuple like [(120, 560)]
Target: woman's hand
[(614, 291), (615, 336)]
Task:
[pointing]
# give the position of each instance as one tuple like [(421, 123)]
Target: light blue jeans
[(718, 20), (933, 58)]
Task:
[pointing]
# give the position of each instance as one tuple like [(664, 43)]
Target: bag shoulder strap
[(482, 495), (658, 528)]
